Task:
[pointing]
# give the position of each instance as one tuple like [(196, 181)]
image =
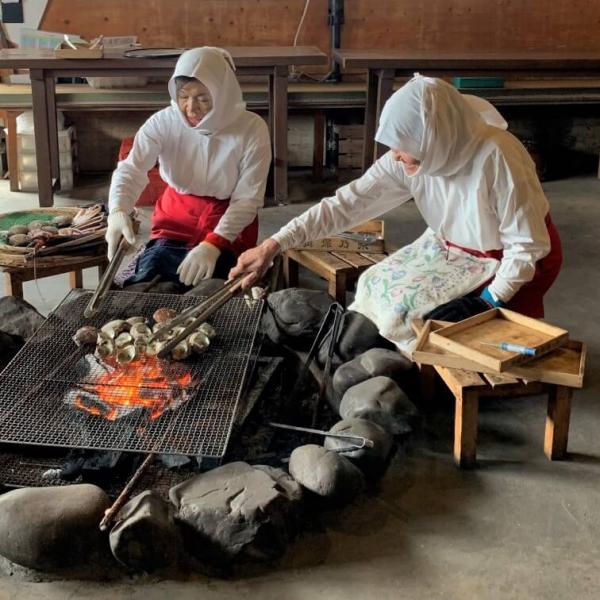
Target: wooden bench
[(340, 269)]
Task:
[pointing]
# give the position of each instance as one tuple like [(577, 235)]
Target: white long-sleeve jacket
[(489, 199), (227, 155)]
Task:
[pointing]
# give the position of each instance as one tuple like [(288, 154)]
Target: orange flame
[(131, 386)]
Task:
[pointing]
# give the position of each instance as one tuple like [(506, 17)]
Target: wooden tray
[(562, 366), (495, 326), (340, 244)]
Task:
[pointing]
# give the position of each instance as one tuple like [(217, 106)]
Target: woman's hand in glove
[(119, 225), (255, 262), (198, 264)]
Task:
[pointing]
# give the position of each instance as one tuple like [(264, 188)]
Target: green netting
[(24, 217)]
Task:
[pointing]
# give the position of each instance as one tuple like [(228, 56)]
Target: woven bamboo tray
[(23, 217)]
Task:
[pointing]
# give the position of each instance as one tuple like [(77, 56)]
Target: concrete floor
[(516, 527)]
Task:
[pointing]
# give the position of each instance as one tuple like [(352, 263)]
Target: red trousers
[(529, 300), (193, 219)]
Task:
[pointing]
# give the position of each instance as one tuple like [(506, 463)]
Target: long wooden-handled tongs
[(107, 278), (199, 313), (356, 441)]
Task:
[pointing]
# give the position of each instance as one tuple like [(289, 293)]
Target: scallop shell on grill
[(198, 342), (163, 315), (135, 320), (181, 351), (153, 348), (126, 354), (113, 328), (105, 349), (208, 330), (140, 330), (123, 339), (85, 336)]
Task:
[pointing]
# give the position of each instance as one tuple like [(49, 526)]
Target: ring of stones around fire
[(236, 512)]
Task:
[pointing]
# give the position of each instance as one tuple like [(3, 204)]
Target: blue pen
[(526, 350)]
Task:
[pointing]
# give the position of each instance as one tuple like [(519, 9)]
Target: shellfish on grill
[(113, 328), (181, 351), (208, 330), (162, 315), (134, 320), (153, 348), (198, 342), (105, 349), (123, 339), (126, 354), (85, 336), (140, 330)]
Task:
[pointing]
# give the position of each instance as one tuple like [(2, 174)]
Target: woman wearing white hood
[(214, 155), (490, 240)]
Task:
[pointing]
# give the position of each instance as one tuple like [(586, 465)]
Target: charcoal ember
[(327, 474), (51, 528), (145, 536), (234, 511), (372, 461), (92, 403), (357, 335), (380, 400), (95, 465), (294, 316), (372, 363), (18, 317)]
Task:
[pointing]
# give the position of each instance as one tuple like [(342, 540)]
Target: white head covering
[(215, 69), (430, 120)]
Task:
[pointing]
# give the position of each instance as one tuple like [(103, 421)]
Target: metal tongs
[(356, 441), (199, 313), (106, 280)]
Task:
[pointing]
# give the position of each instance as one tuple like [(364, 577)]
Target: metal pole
[(335, 20)]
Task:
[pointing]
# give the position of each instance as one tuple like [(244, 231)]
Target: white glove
[(198, 264), (119, 225)]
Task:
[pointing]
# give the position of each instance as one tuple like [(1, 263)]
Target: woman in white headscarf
[(214, 155), (490, 240)]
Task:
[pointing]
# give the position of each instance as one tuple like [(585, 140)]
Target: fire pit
[(56, 394)]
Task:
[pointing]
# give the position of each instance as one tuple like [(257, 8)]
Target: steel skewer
[(359, 440)]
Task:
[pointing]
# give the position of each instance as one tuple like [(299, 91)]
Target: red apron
[(192, 219), (529, 300)]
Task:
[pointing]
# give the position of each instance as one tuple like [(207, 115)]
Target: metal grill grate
[(35, 384)]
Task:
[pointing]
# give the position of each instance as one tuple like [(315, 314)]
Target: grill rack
[(50, 359)]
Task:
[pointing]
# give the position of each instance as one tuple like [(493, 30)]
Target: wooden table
[(272, 62), (15, 276), (384, 65)]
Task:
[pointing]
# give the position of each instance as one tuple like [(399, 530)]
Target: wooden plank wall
[(488, 25)]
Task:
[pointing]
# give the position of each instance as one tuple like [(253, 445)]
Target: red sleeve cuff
[(218, 241)]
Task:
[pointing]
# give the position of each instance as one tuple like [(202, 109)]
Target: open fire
[(147, 384)]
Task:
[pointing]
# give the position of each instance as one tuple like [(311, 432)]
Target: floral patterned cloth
[(413, 281)]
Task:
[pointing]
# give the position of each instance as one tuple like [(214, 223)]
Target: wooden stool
[(468, 387), (15, 276), (338, 268)]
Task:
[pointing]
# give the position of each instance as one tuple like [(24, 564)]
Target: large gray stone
[(380, 400), (235, 510), (18, 317), (371, 461), (145, 536), (50, 528), (357, 335), (372, 363), (327, 474), (295, 315)]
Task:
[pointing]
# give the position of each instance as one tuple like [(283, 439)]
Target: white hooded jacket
[(476, 186), (227, 155)]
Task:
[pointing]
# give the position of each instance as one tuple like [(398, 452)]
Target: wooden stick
[(112, 511)]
